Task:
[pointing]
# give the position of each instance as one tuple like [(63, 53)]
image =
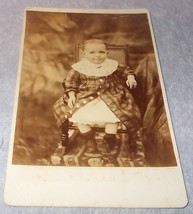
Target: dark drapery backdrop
[(47, 56)]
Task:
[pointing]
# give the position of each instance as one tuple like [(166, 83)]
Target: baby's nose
[(97, 55)]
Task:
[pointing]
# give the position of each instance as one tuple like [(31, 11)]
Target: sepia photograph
[(90, 93)]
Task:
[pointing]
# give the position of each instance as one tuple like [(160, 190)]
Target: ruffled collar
[(90, 69)]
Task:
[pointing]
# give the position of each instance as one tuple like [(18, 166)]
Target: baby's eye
[(101, 52)]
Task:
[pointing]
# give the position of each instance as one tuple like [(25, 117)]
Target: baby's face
[(95, 53)]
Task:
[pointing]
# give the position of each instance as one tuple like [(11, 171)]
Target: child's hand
[(131, 82), (71, 100)]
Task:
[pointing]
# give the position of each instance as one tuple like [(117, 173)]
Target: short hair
[(93, 41)]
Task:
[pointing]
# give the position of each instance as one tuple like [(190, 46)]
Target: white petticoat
[(95, 112)]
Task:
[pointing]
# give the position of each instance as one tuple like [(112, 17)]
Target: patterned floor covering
[(121, 156)]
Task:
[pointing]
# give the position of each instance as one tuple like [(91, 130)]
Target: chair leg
[(91, 149), (64, 135), (109, 142), (91, 146), (137, 148)]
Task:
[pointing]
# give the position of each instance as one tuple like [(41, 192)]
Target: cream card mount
[(142, 168)]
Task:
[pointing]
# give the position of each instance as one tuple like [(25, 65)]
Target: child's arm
[(72, 83), (71, 99), (131, 82), (127, 75)]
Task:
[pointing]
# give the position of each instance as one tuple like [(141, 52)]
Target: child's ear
[(107, 52)]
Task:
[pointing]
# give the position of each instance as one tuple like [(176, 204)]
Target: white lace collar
[(104, 69)]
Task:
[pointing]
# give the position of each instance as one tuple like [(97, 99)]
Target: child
[(96, 91)]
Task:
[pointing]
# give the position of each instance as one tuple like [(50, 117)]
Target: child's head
[(95, 50)]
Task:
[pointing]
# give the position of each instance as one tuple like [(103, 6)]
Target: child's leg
[(109, 140), (89, 136), (83, 128), (111, 128)]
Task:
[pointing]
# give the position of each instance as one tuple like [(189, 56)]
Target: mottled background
[(172, 22), (49, 52)]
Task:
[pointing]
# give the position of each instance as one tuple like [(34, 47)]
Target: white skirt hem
[(94, 112)]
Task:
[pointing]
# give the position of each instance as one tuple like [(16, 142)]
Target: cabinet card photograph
[(91, 113)]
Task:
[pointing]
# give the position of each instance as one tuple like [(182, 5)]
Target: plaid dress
[(111, 89)]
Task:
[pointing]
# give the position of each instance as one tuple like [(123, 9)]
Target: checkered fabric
[(111, 89)]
